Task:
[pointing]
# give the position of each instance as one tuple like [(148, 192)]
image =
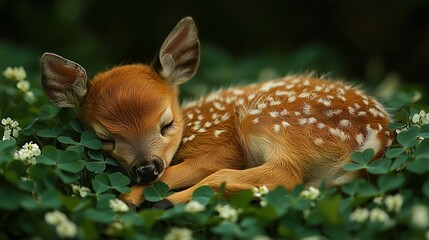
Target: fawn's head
[(133, 109)]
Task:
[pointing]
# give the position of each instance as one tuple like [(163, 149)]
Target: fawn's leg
[(271, 175), (189, 172)]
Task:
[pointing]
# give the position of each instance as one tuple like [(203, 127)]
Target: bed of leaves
[(67, 188)]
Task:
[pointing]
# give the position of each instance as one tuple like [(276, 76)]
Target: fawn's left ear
[(63, 81), (179, 56)]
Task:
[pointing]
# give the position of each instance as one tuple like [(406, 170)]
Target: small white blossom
[(66, 230), (311, 193), (27, 153), (29, 97), (118, 205), (420, 118), (420, 216), (11, 128), (260, 191), (81, 191), (359, 215), (23, 85), (263, 203), (17, 73), (394, 203), (64, 227), (194, 207), (179, 234), (56, 217), (378, 215), (378, 200), (227, 212)]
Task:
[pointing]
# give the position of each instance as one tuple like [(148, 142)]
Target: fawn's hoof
[(163, 204)]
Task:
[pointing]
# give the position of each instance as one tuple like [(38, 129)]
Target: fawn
[(295, 130)]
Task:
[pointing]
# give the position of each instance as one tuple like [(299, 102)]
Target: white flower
[(27, 153), (378, 215), (56, 217), (81, 191), (194, 207), (17, 73), (23, 85), (415, 118), (29, 97), (394, 203), (311, 193), (227, 212), (64, 227), (420, 216), (378, 200), (11, 128), (179, 234), (359, 215), (260, 191), (118, 205)]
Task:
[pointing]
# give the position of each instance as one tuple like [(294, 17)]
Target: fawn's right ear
[(63, 81), (179, 56)]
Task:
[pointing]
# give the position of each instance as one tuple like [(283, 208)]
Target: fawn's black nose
[(149, 172)]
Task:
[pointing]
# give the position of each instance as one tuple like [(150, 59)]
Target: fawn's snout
[(147, 171)]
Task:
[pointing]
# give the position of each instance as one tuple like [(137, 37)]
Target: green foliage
[(68, 189)]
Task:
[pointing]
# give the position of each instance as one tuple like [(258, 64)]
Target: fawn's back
[(311, 125)]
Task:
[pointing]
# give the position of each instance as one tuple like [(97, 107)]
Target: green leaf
[(394, 152), (422, 150), (366, 189), (7, 149), (388, 183), (203, 194), (48, 133), (241, 199), (227, 229), (353, 166), (151, 216), (96, 155), (119, 182), (156, 192), (278, 199), (419, 165), (395, 125), (380, 166), (66, 140), (351, 188), (96, 167), (329, 209), (408, 138), (71, 162), (101, 183), (90, 140), (398, 162), (101, 216), (75, 125), (48, 111)]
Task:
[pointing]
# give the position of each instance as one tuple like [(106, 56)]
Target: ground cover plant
[(55, 183)]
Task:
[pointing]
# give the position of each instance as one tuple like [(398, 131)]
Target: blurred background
[(379, 42)]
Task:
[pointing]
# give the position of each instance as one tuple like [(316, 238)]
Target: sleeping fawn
[(295, 130)]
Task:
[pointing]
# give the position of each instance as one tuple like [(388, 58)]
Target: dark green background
[(361, 40)]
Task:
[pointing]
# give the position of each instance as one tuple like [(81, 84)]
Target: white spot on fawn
[(190, 116), (218, 132), (351, 110), (320, 125), (318, 141), (361, 113), (304, 95), (291, 99), (285, 124), (262, 105), (284, 112), (359, 139), (337, 132), (345, 123), (276, 128), (255, 121), (207, 124), (187, 139), (306, 109), (274, 114), (238, 92), (255, 111)]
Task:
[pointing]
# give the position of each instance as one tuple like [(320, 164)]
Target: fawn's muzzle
[(149, 171)]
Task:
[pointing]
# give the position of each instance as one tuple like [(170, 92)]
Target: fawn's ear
[(63, 81), (179, 56)]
